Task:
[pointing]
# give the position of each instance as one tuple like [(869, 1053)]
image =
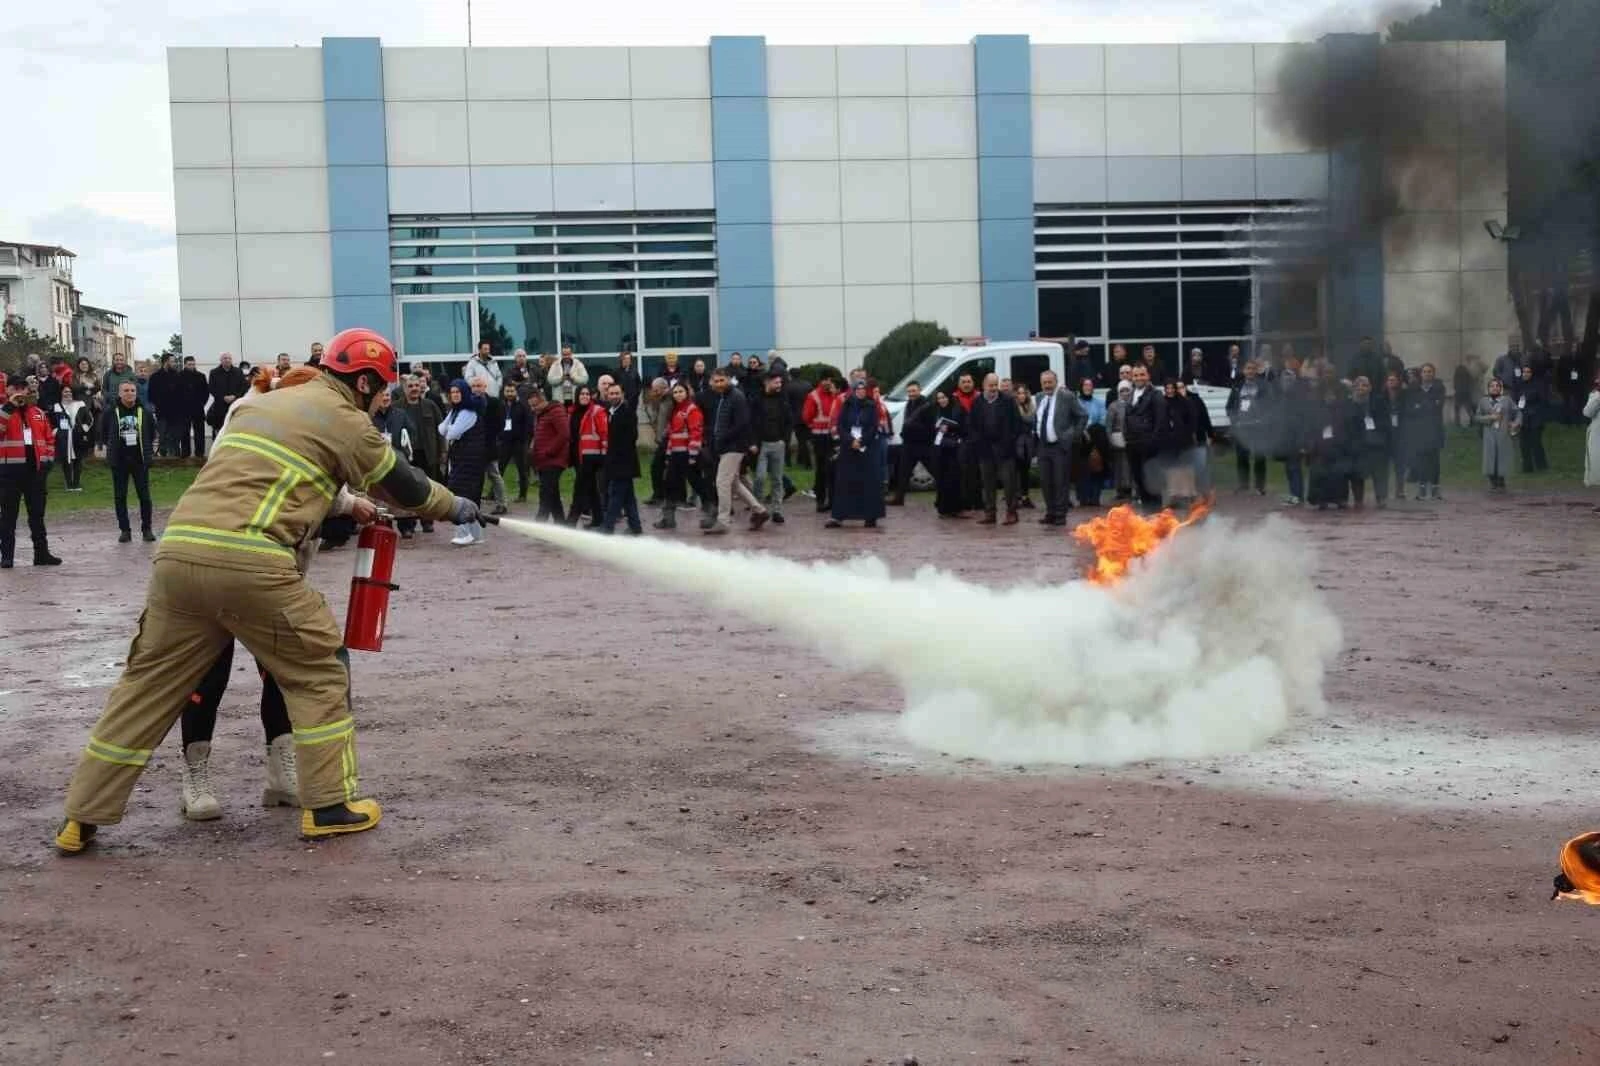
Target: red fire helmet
[(354, 350)]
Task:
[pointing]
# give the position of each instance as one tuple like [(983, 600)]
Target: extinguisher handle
[(390, 585), (488, 519)]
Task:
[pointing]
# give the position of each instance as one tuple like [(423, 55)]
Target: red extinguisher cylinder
[(370, 587)]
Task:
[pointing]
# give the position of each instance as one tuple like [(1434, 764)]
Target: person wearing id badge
[(27, 451)]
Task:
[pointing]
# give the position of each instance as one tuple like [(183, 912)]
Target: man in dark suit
[(1059, 420), (1146, 420), (226, 384), (992, 428), (193, 391), (622, 462)]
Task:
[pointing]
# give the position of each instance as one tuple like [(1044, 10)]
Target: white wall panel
[(278, 265), (507, 74), (275, 74), (1141, 68), (424, 74), (426, 133), (1483, 180), (197, 74), (272, 326), (1274, 134), (805, 192), (1422, 242), (876, 190), (801, 70), (591, 131), (870, 311), (281, 199), (279, 135), (809, 316), (1069, 126), (872, 70), (877, 253), (512, 189), (208, 267), (670, 73), (1485, 300), (1422, 302), (939, 70), (803, 128), (944, 252), (671, 131), (1273, 59), (808, 254), (1428, 185), (944, 189), (211, 327), (509, 132), (873, 128), (201, 135), (605, 187), (1068, 68), (943, 127), (1142, 125), (589, 74), (1217, 68), (1218, 124), (1479, 251), (204, 200), (674, 186), (429, 190), (958, 308)]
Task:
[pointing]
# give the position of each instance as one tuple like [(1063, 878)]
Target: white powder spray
[(1211, 646)]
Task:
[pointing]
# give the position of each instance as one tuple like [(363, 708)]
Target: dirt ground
[(620, 829)]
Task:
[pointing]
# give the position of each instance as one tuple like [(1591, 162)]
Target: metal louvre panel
[(1080, 240)]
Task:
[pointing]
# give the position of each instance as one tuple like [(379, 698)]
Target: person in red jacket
[(686, 435), (548, 453), (593, 433), (819, 413), (27, 449)]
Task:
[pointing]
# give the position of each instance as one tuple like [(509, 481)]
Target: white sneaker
[(198, 801), (462, 538), (283, 777), (1291, 501), (476, 531)]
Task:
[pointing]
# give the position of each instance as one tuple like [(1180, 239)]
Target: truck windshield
[(926, 373)]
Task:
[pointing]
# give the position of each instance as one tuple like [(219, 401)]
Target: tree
[(902, 349), (18, 341), (174, 345), (815, 372)]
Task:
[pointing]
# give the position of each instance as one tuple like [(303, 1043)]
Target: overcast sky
[(89, 149)]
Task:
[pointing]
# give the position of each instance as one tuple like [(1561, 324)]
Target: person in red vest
[(27, 450), (593, 434), (686, 434), (819, 413)]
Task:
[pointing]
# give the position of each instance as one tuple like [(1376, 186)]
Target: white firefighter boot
[(283, 779), (199, 802)]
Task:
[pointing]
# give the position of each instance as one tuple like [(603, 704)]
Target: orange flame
[(1580, 870), (1122, 535)]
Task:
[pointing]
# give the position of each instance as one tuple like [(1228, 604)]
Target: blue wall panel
[(1004, 70), (358, 183), (746, 310)]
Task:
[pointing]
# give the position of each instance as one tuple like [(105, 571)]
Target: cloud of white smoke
[(1210, 647)]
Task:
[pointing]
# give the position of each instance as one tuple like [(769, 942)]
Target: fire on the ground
[(1579, 878), (1122, 535)]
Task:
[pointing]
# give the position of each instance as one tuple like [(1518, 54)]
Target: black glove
[(463, 511)]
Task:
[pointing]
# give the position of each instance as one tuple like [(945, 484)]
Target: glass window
[(652, 228), (978, 368), (584, 229), (1070, 312), (512, 322), (500, 233), (606, 285), (1216, 308), (1289, 306), (1144, 308), (653, 283), (484, 251), (431, 233), (674, 246), (609, 267), (677, 322), (599, 322), (1028, 369), (434, 270), (703, 266), (597, 248), (436, 327)]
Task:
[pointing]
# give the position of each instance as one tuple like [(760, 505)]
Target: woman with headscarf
[(1117, 438), (857, 476), (1500, 421), (590, 429), (947, 457), (74, 434), (466, 443), (1091, 455), (1175, 441)]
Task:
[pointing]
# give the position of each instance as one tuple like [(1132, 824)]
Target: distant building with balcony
[(101, 335), (36, 286)]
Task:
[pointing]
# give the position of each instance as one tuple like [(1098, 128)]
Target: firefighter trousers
[(191, 613)]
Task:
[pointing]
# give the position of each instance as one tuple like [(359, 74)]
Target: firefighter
[(226, 569), (27, 448)]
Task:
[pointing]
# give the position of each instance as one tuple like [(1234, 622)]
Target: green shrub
[(902, 349), (815, 372)]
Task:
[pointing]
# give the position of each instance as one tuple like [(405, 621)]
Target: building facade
[(747, 196), (36, 286), (101, 334)]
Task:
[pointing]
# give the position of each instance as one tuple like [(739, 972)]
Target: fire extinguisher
[(370, 586)]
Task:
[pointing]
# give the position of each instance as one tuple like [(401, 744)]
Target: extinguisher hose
[(390, 585)]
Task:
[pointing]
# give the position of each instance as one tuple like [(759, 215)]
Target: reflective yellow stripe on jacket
[(115, 753), (222, 538)]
